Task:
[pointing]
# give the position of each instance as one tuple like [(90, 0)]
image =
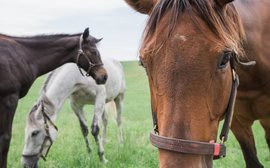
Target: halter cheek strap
[(47, 130), (81, 53)]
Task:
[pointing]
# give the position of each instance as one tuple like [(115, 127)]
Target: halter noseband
[(218, 150), (81, 52), (46, 119)]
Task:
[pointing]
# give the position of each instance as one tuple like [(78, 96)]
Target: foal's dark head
[(89, 58)]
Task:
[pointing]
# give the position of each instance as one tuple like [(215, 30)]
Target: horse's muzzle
[(101, 79), (100, 76), (30, 162)]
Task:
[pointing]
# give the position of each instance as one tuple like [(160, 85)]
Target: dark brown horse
[(23, 59), (253, 100), (191, 50)]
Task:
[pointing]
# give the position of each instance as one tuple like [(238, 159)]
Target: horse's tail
[(110, 108)]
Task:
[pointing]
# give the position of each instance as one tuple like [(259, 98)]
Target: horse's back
[(255, 16), (87, 89), (115, 84), (16, 75)]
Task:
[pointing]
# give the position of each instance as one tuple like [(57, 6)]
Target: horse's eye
[(224, 59), (35, 133)]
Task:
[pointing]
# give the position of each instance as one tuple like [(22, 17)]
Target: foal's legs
[(119, 106), (8, 106), (241, 127), (104, 123), (98, 111), (78, 109)]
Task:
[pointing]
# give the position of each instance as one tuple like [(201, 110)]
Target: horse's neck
[(45, 54), (61, 86)]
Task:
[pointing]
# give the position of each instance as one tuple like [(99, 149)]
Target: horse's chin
[(101, 81), (99, 74), (30, 166), (31, 162)]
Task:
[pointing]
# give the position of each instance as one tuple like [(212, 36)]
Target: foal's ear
[(223, 3), (86, 33), (98, 40)]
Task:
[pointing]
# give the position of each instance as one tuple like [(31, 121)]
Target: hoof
[(104, 161)]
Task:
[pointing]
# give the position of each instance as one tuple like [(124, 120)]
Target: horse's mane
[(41, 36), (225, 24), (46, 102), (39, 40), (46, 82), (43, 97)]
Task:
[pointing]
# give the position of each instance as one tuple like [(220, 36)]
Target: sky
[(113, 20)]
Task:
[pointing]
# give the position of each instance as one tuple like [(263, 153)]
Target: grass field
[(69, 149)]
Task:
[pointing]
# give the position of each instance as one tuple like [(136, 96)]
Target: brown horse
[(191, 49), (23, 59)]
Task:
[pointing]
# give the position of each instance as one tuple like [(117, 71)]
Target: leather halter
[(218, 150), (81, 53), (46, 119)]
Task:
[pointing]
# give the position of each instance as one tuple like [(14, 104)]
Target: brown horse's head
[(186, 50), (89, 58)]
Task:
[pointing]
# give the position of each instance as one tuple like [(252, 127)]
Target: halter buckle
[(155, 128), (217, 153), (219, 156), (46, 127), (222, 140)]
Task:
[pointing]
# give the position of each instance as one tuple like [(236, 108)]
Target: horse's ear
[(86, 33), (49, 105), (142, 6), (98, 40), (222, 3), (37, 111)]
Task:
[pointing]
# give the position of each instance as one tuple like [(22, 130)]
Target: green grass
[(69, 149)]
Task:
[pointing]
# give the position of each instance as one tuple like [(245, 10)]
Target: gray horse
[(65, 82)]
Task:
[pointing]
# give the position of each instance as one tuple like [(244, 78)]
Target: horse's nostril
[(101, 80), (30, 161), (105, 78)]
